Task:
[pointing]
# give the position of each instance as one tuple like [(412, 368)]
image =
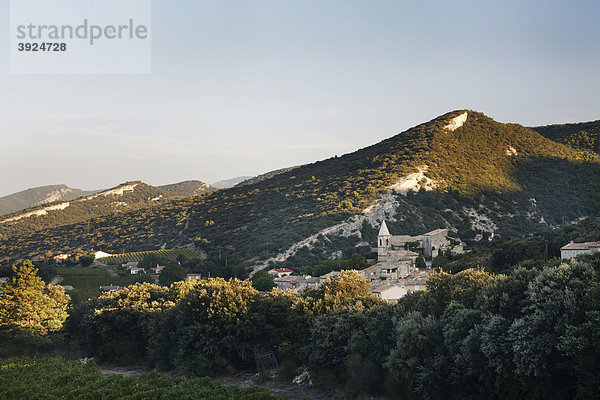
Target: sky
[(245, 87)]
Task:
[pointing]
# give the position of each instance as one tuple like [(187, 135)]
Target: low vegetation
[(54, 378), (171, 254)]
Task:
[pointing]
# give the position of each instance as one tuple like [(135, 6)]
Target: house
[(380, 271), (329, 275), (101, 254), (61, 257), (131, 264), (431, 243), (66, 287), (110, 288), (416, 281), (190, 277), (3, 280), (158, 269), (136, 271), (394, 289), (298, 283), (155, 278), (571, 250), (280, 272), (388, 290)]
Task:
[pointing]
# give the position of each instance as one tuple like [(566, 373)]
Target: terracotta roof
[(282, 270), (580, 246), (296, 279)]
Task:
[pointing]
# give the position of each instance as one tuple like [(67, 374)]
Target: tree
[(420, 262), (262, 281), (347, 291), (28, 305), (172, 274), (80, 256)]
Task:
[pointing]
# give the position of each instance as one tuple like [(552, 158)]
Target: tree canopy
[(28, 305)]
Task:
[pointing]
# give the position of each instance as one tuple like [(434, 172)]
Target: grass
[(87, 281)]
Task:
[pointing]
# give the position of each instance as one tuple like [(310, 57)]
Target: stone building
[(431, 243), (575, 249)]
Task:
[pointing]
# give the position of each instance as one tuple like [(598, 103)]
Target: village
[(395, 272)]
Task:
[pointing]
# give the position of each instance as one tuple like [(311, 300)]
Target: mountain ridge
[(581, 136), (38, 196), (188, 188), (480, 177)]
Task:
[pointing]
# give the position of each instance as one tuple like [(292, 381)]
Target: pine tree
[(28, 305)]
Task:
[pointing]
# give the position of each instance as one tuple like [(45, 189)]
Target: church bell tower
[(383, 242)]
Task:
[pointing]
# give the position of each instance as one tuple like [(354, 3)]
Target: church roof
[(383, 231)]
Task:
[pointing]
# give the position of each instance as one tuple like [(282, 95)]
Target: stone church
[(431, 243)]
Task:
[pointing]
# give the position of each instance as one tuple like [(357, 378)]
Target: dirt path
[(290, 390), (125, 371)]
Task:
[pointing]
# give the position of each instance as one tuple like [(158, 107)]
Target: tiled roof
[(580, 246)]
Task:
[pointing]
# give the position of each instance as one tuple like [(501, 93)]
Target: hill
[(120, 199), (264, 176), (38, 196), (461, 170), (583, 136), (187, 188), (229, 183)]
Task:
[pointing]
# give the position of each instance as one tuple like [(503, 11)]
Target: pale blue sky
[(244, 87)]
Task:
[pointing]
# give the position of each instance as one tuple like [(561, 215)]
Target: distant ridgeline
[(461, 171), (584, 136), (38, 196)]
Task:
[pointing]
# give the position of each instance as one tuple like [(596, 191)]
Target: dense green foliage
[(531, 334), (355, 262), (81, 211), (583, 136), (528, 334), (188, 188), (210, 326), (29, 306), (54, 378), (262, 281)]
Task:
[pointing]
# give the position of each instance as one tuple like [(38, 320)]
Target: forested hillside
[(188, 188), (486, 177), (39, 220), (584, 135), (38, 196)]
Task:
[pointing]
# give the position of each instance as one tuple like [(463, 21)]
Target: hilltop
[(38, 196), (229, 183), (120, 199), (461, 170), (264, 176), (188, 188)]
